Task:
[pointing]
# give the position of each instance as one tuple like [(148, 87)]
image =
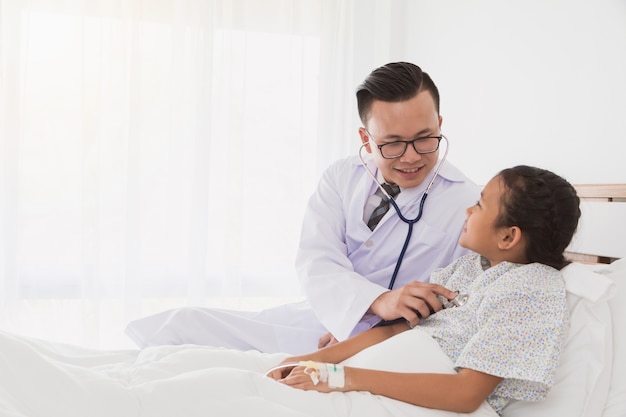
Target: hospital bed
[(41, 378)]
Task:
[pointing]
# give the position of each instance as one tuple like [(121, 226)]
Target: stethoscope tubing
[(409, 222), (405, 245)]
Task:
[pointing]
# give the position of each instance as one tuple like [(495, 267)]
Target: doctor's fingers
[(411, 316), (326, 340), (420, 306), (421, 298), (427, 287), (415, 309)]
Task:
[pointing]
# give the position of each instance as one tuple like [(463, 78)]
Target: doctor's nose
[(410, 154)]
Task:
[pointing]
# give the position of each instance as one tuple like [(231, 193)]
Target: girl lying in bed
[(505, 340), (503, 343)]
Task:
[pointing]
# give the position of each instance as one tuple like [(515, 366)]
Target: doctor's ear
[(365, 139)]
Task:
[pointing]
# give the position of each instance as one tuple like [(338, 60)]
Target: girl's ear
[(509, 237)]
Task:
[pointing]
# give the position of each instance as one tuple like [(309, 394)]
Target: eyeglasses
[(423, 145)]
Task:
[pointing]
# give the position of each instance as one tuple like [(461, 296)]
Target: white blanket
[(45, 379)]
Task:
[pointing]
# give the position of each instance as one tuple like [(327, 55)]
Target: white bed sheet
[(45, 379), (41, 378)]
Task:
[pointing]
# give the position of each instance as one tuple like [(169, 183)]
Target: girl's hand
[(280, 372), (299, 378), (283, 369)]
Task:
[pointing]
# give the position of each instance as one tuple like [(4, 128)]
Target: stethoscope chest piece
[(458, 301)]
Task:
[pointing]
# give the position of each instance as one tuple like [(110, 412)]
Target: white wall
[(538, 82)]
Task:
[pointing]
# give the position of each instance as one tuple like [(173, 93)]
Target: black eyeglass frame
[(406, 145)]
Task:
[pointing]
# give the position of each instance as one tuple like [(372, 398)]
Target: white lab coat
[(342, 265), (338, 250)]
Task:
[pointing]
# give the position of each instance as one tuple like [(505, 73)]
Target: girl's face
[(479, 233)]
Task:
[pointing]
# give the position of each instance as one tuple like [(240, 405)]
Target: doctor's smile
[(409, 173)]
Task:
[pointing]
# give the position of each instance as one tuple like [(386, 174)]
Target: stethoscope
[(409, 222), (460, 299)]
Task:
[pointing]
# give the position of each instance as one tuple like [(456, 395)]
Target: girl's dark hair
[(545, 207), (394, 82)]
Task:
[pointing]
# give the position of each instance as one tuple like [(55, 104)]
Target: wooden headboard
[(601, 235), (602, 192)]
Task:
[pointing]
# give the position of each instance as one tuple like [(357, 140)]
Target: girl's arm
[(343, 350), (463, 392)]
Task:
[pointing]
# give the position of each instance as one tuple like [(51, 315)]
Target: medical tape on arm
[(325, 372), (336, 376), (319, 372), (315, 370)]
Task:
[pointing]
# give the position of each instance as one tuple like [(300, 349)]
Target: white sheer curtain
[(160, 153)]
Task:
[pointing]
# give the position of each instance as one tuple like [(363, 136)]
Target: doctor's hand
[(326, 340), (413, 301)]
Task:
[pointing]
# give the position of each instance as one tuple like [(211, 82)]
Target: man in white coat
[(345, 265)]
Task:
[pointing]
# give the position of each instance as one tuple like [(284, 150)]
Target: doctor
[(346, 259)]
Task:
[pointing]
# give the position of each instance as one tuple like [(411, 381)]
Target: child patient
[(505, 339)]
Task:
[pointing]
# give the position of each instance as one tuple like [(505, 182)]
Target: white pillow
[(583, 377), (616, 403), (410, 351)]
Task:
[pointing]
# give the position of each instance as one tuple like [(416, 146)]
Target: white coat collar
[(447, 172)]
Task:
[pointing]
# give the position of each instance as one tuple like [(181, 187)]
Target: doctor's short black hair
[(394, 82)]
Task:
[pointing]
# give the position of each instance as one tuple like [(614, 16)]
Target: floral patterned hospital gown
[(513, 325)]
